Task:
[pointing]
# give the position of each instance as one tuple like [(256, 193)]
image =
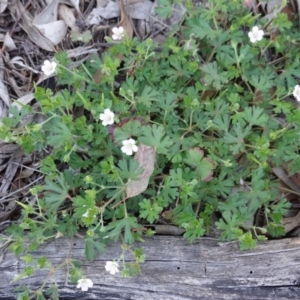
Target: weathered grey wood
[(176, 270)]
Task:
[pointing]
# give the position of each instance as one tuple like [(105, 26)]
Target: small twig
[(19, 190), (26, 167)]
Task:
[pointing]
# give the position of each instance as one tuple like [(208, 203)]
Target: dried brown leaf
[(25, 173), (4, 94), (17, 9), (67, 15), (291, 223), (9, 43), (146, 157), (139, 9), (6, 148), (22, 101), (54, 31), (74, 3), (48, 25), (283, 175), (125, 21), (3, 5), (48, 15)]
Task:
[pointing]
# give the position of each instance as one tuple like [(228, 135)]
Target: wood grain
[(175, 270)]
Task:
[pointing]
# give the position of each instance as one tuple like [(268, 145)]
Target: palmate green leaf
[(107, 165), (85, 204), (53, 292), (232, 203), (55, 192), (247, 242), (204, 166), (179, 145), (281, 207), (150, 211), (40, 296), (226, 55), (200, 28), (24, 295), (276, 230), (139, 255), (230, 226), (280, 106), (93, 247), (289, 75), (222, 185), (238, 138), (179, 67), (68, 226), (164, 9), (60, 133), (168, 101), (148, 96), (255, 116), (117, 227), (155, 136), (262, 82), (168, 193), (42, 262), (131, 128), (130, 169), (213, 76), (221, 122), (130, 84), (194, 229), (276, 217)]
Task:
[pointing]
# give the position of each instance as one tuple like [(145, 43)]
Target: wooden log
[(174, 270)]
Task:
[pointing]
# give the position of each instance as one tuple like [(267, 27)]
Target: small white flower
[(118, 33), (255, 34), (296, 92), (84, 284), (49, 67), (129, 146), (107, 118), (112, 267)]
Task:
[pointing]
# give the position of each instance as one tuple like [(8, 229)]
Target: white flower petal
[(84, 284), (129, 147), (255, 34), (89, 282), (118, 33), (135, 148), (112, 267), (296, 92), (107, 117), (48, 67)]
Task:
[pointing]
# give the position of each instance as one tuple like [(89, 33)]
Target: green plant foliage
[(149, 211), (55, 193), (208, 105)]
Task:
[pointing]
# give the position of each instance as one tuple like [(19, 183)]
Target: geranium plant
[(182, 132)]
